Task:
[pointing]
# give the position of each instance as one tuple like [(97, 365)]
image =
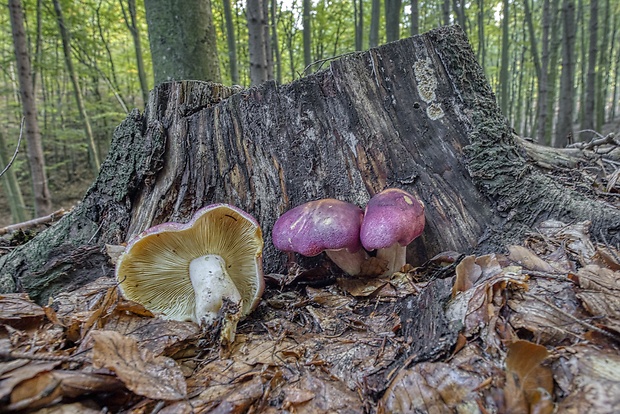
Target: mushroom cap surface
[(319, 225), (154, 269), (391, 216)]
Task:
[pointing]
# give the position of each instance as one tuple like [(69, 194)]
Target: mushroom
[(187, 272), (392, 219), (328, 225)]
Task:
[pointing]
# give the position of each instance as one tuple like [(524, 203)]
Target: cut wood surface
[(417, 114)]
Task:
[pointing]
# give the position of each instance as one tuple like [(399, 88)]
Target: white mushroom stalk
[(186, 272)]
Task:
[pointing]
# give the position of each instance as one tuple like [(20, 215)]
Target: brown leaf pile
[(535, 331)]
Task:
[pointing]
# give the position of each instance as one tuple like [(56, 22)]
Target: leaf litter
[(536, 330)]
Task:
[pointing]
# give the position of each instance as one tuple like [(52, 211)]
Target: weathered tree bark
[(416, 114)]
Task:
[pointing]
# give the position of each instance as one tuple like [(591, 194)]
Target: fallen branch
[(56, 215), (19, 141), (602, 140)]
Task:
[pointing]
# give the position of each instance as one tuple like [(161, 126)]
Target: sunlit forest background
[(523, 45)]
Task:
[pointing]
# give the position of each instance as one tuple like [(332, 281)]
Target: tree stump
[(416, 114)]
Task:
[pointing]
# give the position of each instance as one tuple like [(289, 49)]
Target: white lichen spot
[(434, 111), (426, 79)]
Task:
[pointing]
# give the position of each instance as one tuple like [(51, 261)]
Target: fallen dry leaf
[(529, 384), (590, 380), (140, 370), (439, 387), (18, 311), (600, 294), (529, 260), (17, 373), (549, 311), (467, 273)]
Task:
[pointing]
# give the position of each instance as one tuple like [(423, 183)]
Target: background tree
[(36, 160), (392, 19), (375, 17), (79, 99), (307, 33), (565, 112), (258, 31), (589, 115), (231, 42), (132, 26), (182, 39)]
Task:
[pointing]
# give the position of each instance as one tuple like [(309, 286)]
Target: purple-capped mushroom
[(328, 225), (393, 218), (185, 272)]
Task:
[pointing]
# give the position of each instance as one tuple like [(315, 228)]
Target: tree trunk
[(589, 115), (503, 73), (36, 160), (257, 22), (392, 19), (415, 18), (564, 128), (375, 17), (132, 26), (79, 100), (275, 41), (348, 132), (358, 12), (232, 43), (602, 76), (307, 32), (445, 11), (182, 39)]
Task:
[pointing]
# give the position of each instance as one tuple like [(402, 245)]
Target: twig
[(602, 140), (9, 355), (34, 222), (19, 141), (321, 61)]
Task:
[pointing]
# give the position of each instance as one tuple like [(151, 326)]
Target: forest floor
[(535, 328)]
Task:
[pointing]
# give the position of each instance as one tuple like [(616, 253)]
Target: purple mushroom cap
[(319, 225), (391, 216)]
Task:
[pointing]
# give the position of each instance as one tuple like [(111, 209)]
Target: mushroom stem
[(395, 255), (350, 263), (212, 285)]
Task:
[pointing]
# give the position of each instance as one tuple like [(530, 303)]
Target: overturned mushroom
[(393, 219), (328, 225), (186, 272)]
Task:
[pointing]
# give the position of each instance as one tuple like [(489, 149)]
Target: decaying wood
[(416, 114)]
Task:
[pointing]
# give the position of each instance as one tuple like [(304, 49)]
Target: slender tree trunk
[(275, 42), (446, 12), (481, 39), (553, 72), (307, 35), (66, 47), (132, 26), (36, 160), (564, 128), (375, 17), (259, 68), (38, 54), (392, 19), (459, 11), (267, 37), (358, 12), (11, 185), (415, 18), (182, 39), (231, 41), (503, 76), (590, 104), (602, 76), (541, 135)]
